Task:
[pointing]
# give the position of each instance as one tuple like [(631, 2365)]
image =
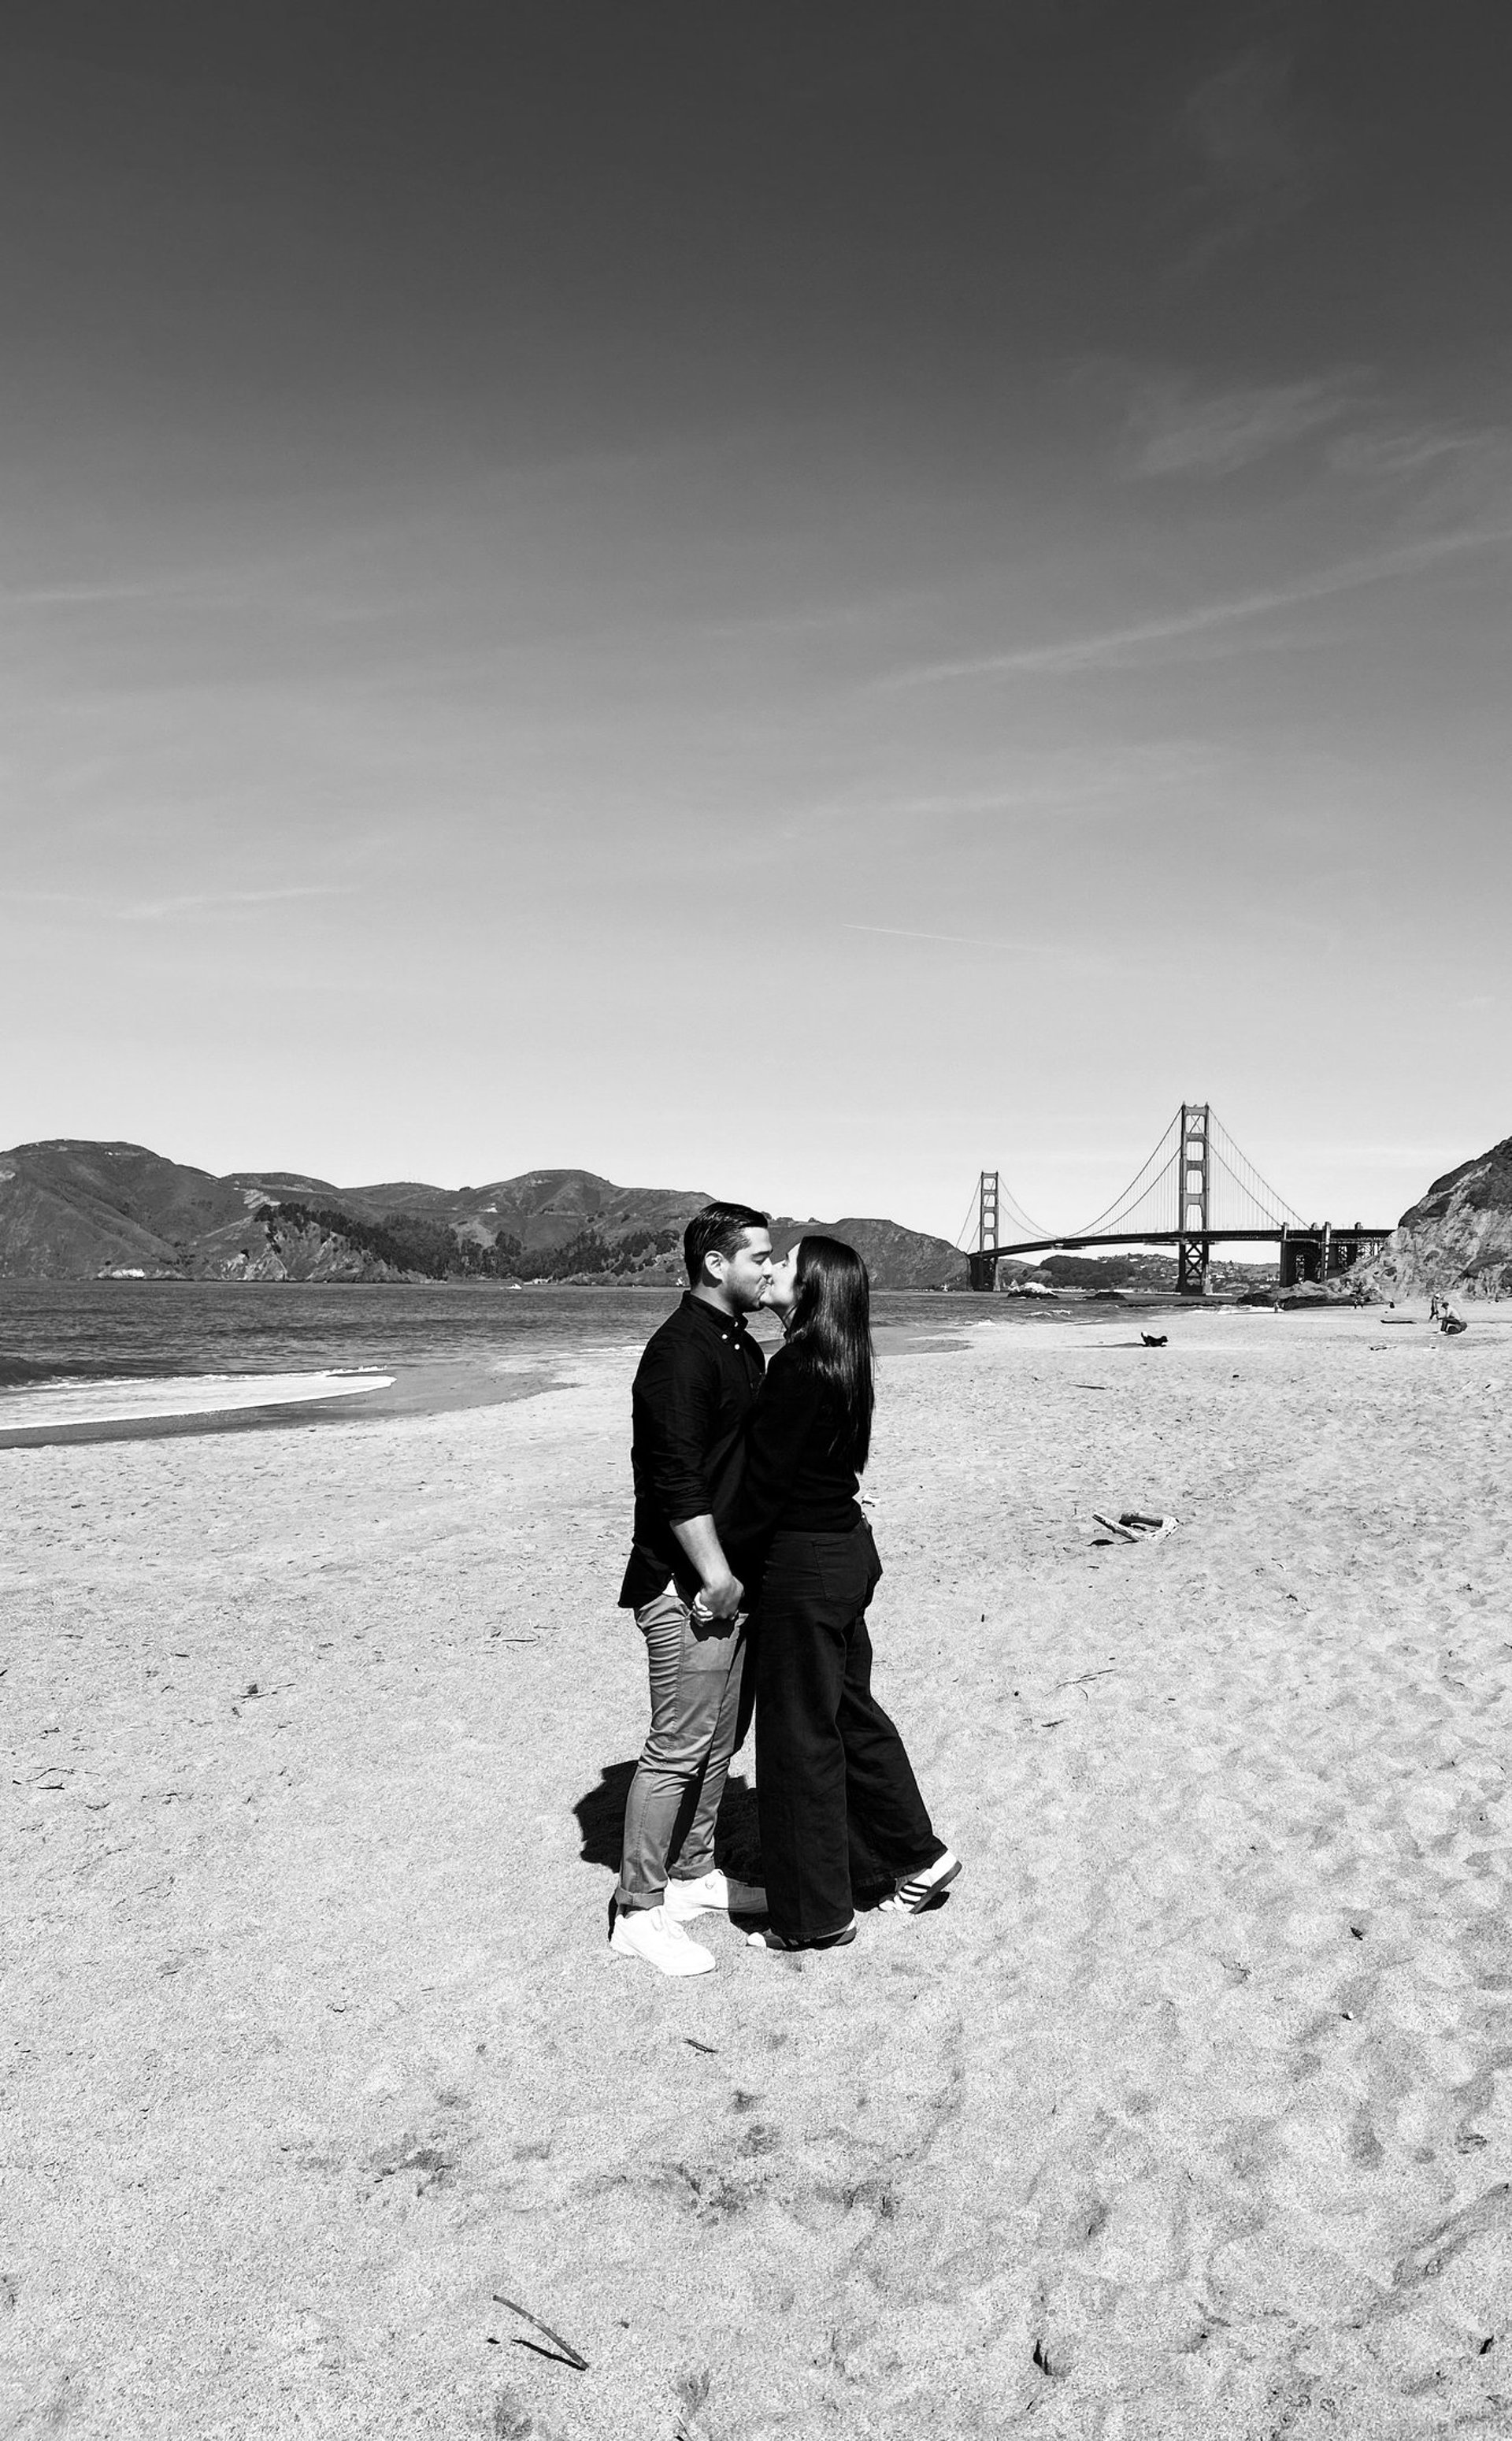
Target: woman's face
[(781, 1289)]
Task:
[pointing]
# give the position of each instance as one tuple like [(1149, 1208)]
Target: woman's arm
[(786, 1408)]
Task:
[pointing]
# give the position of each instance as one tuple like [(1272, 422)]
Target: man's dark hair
[(718, 1229)]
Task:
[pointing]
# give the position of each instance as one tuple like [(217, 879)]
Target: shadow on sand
[(601, 1819), (737, 1835)]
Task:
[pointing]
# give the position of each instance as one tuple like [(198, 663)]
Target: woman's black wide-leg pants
[(838, 1805)]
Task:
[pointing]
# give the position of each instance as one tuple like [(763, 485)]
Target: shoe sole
[(674, 1974), (780, 1948)]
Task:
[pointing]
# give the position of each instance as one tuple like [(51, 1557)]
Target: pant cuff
[(920, 1864), (826, 1932)]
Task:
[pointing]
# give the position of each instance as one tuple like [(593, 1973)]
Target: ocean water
[(99, 1331), (81, 1330)]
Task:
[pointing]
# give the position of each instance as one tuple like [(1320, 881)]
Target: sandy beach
[(1187, 2115)]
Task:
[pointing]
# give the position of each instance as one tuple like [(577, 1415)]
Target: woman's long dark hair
[(829, 1329)]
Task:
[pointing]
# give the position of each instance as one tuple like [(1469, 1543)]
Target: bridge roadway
[(1163, 1238), (1322, 1252)]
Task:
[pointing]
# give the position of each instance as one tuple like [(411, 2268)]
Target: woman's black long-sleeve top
[(795, 1480)]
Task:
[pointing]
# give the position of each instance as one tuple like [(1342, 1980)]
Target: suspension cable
[(1160, 1173), (1143, 1183), (1275, 1206), (973, 1208), (1007, 1202)]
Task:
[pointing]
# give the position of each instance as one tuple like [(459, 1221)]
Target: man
[(693, 1393)]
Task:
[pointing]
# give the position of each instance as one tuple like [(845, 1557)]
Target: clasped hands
[(721, 1599)]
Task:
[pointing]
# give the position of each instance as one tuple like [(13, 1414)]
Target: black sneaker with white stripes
[(920, 1888)]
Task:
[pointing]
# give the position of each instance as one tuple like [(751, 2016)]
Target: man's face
[(742, 1277)]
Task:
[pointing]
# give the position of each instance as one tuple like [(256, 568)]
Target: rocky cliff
[(1458, 1240)]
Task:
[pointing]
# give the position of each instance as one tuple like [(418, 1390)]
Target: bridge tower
[(984, 1272), (1194, 1185)]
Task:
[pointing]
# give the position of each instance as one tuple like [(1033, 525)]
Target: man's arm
[(677, 1405), (720, 1590)]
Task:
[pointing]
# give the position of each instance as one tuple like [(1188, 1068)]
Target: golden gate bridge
[(1197, 1190)]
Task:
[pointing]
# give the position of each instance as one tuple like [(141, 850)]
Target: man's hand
[(719, 1599), (719, 1588)]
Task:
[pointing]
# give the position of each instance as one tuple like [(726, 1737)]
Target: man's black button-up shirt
[(694, 1389)]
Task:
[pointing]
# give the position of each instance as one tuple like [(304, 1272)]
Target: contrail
[(964, 940), (1091, 652)]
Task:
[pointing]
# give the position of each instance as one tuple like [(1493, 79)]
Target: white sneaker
[(714, 1890), (651, 1933)]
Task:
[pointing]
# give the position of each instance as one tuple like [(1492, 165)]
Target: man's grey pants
[(669, 1816)]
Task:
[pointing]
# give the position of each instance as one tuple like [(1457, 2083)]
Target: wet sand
[(152, 1409), (1187, 2115)]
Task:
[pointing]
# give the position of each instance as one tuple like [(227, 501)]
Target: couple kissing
[(750, 1573)]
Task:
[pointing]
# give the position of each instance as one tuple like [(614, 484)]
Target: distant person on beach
[(839, 1808), (693, 1397)]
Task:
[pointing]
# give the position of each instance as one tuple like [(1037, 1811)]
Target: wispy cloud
[(1037, 783), (211, 902), (1117, 647), (1031, 799), (1172, 432), (1410, 451), (187, 902), (45, 898), (167, 585), (88, 595), (957, 940), (1068, 960), (1449, 473), (308, 569)]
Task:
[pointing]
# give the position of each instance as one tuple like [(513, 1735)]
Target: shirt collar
[(729, 1325)]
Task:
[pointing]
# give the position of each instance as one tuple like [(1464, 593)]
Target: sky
[(792, 601)]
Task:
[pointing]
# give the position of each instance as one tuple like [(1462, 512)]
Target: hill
[(78, 1210), (72, 1210), (896, 1257), (1458, 1239)]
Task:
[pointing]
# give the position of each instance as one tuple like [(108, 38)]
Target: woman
[(838, 1805)]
